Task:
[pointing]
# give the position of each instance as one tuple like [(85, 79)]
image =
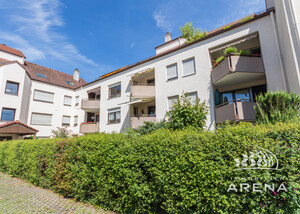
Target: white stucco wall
[(200, 82), (57, 108), (11, 57), (15, 73)]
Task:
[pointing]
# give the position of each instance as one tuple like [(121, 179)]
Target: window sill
[(43, 101), (12, 94), (174, 78), (188, 75), (110, 98), (39, 124), (68, 105), (113, 123)]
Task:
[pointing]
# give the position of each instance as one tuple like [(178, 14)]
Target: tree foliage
[(278, 106), (186, 113), (190, 33)]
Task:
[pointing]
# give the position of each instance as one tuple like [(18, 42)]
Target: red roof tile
[(11, 50), (52, 76), (17, 122)]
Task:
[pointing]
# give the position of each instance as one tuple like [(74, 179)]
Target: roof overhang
[(17, 127)]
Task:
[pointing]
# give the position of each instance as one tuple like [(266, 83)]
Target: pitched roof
[(48, 75), (17, 127), (10, 50), (210, 34)]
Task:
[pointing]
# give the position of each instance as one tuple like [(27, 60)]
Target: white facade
[(277, 34)]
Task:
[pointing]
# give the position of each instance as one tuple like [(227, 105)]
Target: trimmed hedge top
[(187, 171)]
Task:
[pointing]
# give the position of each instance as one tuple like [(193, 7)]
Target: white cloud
[(35, 31), (162, 22)]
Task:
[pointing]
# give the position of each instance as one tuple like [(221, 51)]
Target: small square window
[(114, 91), (8, 114), (66, 120), (189, 67), (172, 72), (12, 88), (114, 116)]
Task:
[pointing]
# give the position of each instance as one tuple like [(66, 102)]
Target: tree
[(186, 113), (278, 106), (190, 33), (61, 133)]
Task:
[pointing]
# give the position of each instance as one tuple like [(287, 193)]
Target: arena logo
[(259, 159)]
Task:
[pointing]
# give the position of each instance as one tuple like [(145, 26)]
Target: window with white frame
[(114, 90), (172, 71), (193, 96), (77, 101), (66, 120), (189, 67), (75, 120), (41, 119), (171, 101), (67, 100), (43, 96), (114, 115)]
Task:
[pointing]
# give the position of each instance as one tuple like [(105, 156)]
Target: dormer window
[(41, 75), (69, 83)]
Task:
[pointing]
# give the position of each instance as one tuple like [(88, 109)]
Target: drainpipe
[(286, 85)]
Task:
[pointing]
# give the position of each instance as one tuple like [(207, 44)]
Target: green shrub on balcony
[(278, 106)]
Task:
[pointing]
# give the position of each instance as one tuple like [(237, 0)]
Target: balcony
[(91, 105), (89, 128), (240, 110), (142, 91), (238, 70), (135, 122)]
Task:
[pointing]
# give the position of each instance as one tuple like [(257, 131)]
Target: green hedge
[(167, 171)]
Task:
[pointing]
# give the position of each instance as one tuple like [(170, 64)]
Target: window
[(8, 114), (66, 120), (151, 111), (41, 75), (12, 88), (67, 101), (69, 83), (189, 67), (114, 116), (172, 72), (114, 90), (193, 96), (41, 119), (75, 120), (171, 101), (235, 96), (77, 101), (43, 96)]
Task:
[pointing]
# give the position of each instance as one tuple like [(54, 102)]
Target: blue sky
[(98, 36)]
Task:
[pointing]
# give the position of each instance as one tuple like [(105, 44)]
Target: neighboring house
[(144, 91)]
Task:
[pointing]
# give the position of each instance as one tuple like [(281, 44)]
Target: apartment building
[(144, 91)]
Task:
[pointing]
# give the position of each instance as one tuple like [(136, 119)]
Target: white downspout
[(279, 52)]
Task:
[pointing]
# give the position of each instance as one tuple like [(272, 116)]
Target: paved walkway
[(17, 196)]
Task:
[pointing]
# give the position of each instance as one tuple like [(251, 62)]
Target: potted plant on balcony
[(231, 51)]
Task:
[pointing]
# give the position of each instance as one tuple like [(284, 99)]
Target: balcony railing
[(89, 104), (86, 128), (251, 65), (236, 110), (143, 90), (136, 121)]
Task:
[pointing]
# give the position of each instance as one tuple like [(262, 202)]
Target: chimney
[(76, 74), (168, 37), (270, 4)]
